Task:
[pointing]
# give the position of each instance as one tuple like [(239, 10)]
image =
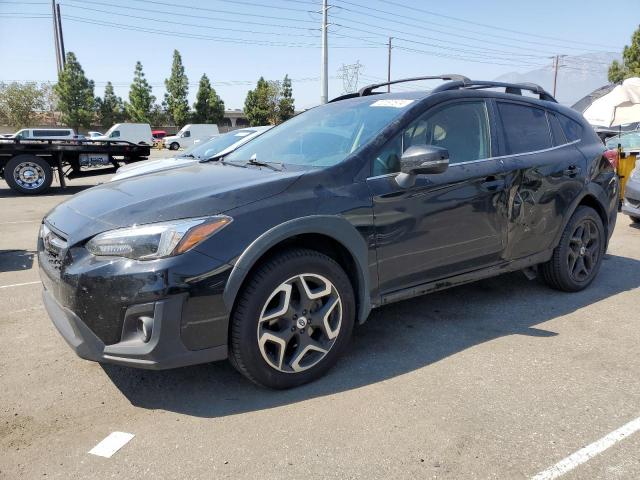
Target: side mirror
[(421, 160)]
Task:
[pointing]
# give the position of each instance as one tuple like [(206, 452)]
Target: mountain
[(578, 75)]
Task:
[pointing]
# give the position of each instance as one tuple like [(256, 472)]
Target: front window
[(186, 134), (461, 128), (115, 134), (216, 145), (325, 135)]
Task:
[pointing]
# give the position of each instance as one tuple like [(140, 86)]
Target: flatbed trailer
[(28, 166)]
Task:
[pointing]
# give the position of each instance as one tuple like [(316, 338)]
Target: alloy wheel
[(584, 250), (299, 323)]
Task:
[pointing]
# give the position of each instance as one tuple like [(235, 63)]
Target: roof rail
[(512, 88), (456, 82), (368, 89)]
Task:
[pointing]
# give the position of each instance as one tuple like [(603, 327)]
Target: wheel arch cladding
[(589, 197), (331, 235)]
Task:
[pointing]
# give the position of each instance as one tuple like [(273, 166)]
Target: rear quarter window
[(572, 129), (525, 128)]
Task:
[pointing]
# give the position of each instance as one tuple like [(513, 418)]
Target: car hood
[(194, 190), (148, 166)]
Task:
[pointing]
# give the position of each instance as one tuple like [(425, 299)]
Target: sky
[(236, 41)]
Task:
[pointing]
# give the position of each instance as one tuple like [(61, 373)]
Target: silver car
[(218, 145)]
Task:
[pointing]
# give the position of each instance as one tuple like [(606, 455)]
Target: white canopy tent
[(618, 107)]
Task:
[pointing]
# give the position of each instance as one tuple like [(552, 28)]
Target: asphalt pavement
[(503, 378)]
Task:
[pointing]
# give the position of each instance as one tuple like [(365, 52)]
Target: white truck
[(189, 134), (138, 133)]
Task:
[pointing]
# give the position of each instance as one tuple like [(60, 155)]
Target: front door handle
[(493, 184), (571, 171)]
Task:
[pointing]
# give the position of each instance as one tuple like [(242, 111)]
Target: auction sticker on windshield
[(391, 102)]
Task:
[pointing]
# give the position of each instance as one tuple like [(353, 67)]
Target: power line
[(365, 8), (174, 22), (494, 27), (239, 41), (199, 16)]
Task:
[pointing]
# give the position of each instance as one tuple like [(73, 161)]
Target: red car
[(158, 134)]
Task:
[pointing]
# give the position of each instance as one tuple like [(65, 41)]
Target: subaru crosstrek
[(270, 255)]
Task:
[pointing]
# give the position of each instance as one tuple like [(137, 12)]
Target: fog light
[(145, 328)]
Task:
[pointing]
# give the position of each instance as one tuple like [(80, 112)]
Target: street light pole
[(324, 70)]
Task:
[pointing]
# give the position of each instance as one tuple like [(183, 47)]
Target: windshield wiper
[(253, 161)]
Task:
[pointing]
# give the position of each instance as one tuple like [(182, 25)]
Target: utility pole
[(556, 60), (556, 66), (56, 43), (324, 70), (389, 66), (63, 57)]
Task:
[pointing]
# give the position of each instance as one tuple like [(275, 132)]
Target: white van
[(45, 134), (189, 134), (129, 132)]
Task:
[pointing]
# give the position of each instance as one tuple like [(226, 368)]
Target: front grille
[(54, 248)]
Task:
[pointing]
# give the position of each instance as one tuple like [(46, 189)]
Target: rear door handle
[(493, 184), (571, 171)]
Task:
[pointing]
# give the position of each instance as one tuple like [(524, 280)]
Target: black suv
[(268, 256)]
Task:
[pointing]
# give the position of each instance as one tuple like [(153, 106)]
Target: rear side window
[(572, 129), (559, 137), (525, 128), (51, 133)]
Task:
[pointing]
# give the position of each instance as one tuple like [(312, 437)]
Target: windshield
[(325, 135), (216, 145), (112, 129), (629, 140)]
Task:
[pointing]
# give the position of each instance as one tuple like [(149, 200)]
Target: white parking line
[(110, 445), (19, 284), (588, 452)]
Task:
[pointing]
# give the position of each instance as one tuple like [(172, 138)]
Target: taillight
[(612, 156)]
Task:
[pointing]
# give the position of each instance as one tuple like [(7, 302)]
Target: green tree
[(258, 106), (209, 107), (286, 108), (110, 107), (158, 116), (75, 94), (19, 103), (141, 100), (177, 86), (631, 61)]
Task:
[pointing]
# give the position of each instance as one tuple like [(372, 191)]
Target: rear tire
[(292, 320), (174, 146), (577, 258), (28, 174)]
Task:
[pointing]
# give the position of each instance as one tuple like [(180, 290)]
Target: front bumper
[(164, 349), (631, 201), (98, 306)]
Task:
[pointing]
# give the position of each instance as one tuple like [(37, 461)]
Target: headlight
[(156, 240)]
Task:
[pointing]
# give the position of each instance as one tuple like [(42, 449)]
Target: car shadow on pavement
[(15, 260), (395, 340)]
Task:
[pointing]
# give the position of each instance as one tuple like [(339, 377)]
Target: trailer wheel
[(28, 174)]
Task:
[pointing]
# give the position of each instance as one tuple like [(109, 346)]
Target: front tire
[(577, 258), (293, 319), (174, 146), (28, 174)]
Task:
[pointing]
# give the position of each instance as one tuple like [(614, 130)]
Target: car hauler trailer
[(28, 165)]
